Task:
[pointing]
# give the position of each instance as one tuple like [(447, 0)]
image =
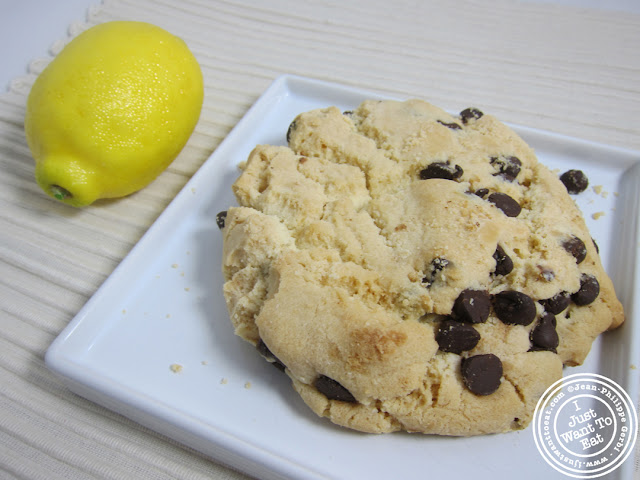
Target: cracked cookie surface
[(412, 270)]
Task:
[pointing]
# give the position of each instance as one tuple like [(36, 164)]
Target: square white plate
[(163, 307)]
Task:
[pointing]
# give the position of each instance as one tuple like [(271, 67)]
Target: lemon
[(111, 111)]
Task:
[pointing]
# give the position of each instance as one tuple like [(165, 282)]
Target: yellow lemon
[(111, 111)]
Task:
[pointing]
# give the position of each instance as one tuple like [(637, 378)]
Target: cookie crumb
[(597, 215), (247, 385), (204, 362), (168, 315), (175, 367), (224, 381), (174, 265), (599, 190), (124, 310), (633, 367), (186, 289)]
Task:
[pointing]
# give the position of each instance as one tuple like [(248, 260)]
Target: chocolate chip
[(504, 202), (508, 167), (557, 303), (589, 290), (576, 247), (482, 373), (442, 170), (220, 219), (456, 337), (472, 306), (544, 335), (546, 273), (435, 267), (482, 192), (347, 113), (439, 263), (292, 127), (263, 349), (333, 390), (596, 246), (514, 308), (269, 357), (470, 114), (504, 264), (452, 126), (575, 181)]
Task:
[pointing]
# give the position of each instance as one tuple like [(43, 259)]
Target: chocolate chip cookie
[(411, 269)]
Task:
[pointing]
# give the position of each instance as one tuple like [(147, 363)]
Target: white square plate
[(163, 307)]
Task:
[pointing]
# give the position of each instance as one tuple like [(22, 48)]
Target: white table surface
[(28, 27)]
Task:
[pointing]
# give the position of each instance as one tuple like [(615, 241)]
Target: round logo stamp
[(585, 425)]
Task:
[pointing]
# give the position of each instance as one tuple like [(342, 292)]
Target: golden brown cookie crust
[(346, 255)]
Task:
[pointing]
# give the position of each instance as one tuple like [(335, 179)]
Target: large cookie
[(412, 270)]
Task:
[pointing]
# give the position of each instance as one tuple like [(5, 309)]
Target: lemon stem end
[(60, 193)]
